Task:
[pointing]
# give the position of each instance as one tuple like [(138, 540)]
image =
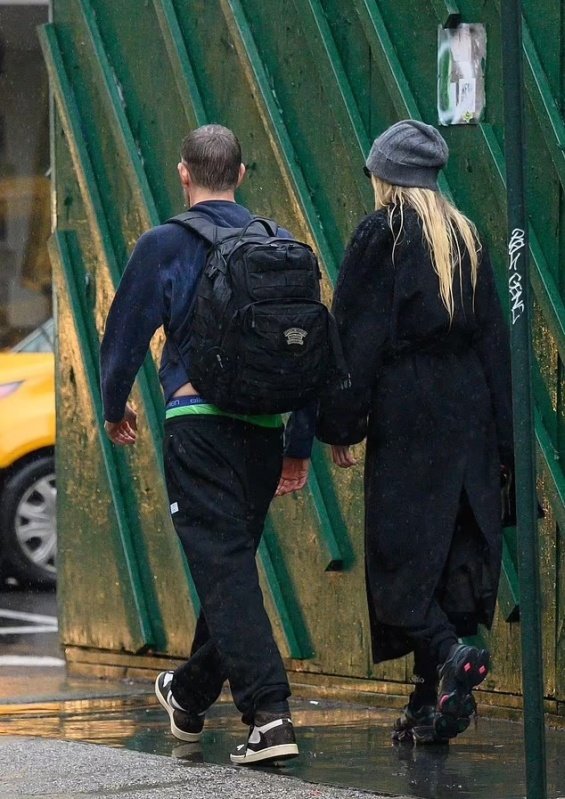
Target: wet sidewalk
[(344, 749)]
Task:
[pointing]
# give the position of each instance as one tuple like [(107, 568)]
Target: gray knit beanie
[(409, 153)]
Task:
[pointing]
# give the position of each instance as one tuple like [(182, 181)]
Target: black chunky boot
[(465, 668), (415, 724)]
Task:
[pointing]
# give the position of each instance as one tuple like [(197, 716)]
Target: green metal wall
[(306, 84)]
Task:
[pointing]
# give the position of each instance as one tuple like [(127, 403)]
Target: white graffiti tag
[(515, 286)]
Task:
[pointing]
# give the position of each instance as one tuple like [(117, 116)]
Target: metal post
[(519, 290)]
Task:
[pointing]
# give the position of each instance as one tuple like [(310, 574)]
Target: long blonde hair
[(442, 225)]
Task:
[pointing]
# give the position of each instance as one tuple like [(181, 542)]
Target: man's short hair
[(212, 154)]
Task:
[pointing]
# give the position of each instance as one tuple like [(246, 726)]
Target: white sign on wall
[(461, 74)]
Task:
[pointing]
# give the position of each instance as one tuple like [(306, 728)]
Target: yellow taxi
[(28, 525)]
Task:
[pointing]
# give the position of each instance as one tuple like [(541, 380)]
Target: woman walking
[(426, 343)]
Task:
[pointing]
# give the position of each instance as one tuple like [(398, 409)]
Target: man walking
[(222, 470)]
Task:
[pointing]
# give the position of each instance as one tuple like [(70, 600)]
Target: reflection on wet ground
[(340, 745)]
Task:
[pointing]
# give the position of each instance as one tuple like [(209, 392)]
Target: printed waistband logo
[(295, 335)]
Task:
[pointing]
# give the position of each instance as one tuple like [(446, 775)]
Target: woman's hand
[(342, 456), (293, 476)]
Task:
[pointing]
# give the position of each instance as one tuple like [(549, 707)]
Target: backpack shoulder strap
[(215, 234), (201, 225), (269, 225)]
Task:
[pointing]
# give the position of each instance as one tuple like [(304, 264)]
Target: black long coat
[(433, 399)]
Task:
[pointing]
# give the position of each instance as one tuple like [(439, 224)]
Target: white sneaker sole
[(191, 737), (280, 752)]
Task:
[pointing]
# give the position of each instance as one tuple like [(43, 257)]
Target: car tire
[(29, 522)]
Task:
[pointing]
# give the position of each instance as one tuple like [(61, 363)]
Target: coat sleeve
[(135, 314), (299, 432), (362, 308), (493, 348)]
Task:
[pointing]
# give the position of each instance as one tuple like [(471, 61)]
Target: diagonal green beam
[(541, 97), (387, 61), (547, 294), (334, 554), (69, 114), (509, 589), (283, 595), (180, 63), (324, 494), (275, 129), (389, 65), (115, 117), (545, 288), (550, 120), (320, 39), (64, 253), (448, 12), (551, 464)]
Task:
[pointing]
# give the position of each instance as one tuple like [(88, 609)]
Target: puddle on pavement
[(339, 745)]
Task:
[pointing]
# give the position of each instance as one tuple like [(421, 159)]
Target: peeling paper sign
[(461, 74)]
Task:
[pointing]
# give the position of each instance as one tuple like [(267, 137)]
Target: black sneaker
[(416, 726), (184, 726), (268, 740), (465, 668)]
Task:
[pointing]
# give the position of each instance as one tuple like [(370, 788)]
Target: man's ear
[(184, 174), (241, 175)]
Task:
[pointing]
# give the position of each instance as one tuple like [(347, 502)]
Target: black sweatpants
[(221, 475)]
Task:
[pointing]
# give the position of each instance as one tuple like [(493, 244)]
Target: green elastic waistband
[(205, 409)]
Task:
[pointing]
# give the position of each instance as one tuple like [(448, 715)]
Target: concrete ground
[(61, 769)]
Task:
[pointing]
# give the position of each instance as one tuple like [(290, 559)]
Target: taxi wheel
[(29, 522)]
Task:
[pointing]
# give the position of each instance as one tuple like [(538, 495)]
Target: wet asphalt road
[(28, 627)]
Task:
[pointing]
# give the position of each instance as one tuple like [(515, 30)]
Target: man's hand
[(342, 456), (124, 432), (293, 476)]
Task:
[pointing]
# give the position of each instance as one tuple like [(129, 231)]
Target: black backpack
[(260, 340)]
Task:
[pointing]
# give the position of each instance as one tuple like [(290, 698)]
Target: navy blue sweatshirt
[(156, 289)]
